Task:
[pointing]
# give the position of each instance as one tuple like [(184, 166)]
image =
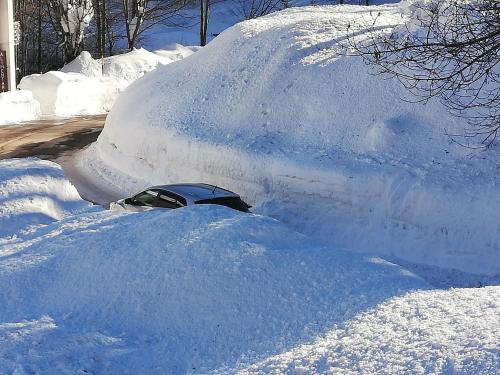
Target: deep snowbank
[(34, 192), (88, 86), (203, 286), (205, 289), (18, 106), (271, 110)]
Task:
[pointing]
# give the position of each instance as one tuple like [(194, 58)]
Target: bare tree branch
[(448, 49)]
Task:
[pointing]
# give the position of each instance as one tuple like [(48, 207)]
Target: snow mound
[(34, 192), (179, 291), (18, 106), (132, 65), (71, 94), (86, 86), (84, 64), (176, 51), (272, 109)]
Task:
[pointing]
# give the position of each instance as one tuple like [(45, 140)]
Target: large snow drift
[(271, 110), (206, 288), (18, 106), (88, 86), (34, 192)]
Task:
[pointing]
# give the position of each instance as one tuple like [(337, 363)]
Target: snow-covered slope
[(272, 110), (34, 192), (17, 106), (206, 289)]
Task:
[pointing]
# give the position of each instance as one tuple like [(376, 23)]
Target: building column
[(7, 39)]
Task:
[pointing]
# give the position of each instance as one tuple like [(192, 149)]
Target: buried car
[(181, 195)]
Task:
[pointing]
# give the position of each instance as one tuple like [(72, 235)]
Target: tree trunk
[(204, 9), (39, 32), (97, 8), (103, 27)]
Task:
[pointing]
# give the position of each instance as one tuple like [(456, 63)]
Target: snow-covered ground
[(88, 86), (272, 109), (426, 332), (206, 289)]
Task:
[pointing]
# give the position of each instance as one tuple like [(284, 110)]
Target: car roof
[(197, 191)]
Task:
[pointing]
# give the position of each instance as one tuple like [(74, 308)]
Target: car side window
[(146, 198), (170, 200), (166, 202)]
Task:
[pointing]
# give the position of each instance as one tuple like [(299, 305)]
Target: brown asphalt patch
[(49, 139)]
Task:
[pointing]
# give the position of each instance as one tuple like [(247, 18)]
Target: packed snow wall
[(274, 109)]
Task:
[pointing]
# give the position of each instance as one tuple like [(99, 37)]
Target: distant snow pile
[(132, 65), (34, 192), (176, 51), (70, 94), (272, 110), (84, 64), (18, 106), (89, 86)]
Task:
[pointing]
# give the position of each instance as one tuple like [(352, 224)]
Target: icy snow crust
[(431, 332), (17, 106), (270, 109)]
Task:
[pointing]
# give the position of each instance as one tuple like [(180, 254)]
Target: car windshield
[(146, 198), (231, 202)]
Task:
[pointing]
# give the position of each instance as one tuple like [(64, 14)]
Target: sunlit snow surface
[(207, 289), (274, 109), (88, 86), (17, 106)]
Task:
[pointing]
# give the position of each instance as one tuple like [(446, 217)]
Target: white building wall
[(7, 39)]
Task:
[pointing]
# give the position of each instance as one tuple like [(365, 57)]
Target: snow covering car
[(181, 195)]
